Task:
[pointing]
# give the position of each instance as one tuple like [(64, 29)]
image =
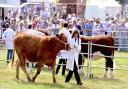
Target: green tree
[(122, 2)]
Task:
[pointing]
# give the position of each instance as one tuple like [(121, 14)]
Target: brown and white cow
[(106, 51), (40, 49)]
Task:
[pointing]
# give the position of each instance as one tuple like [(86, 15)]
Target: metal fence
[(90, 54), (121, 45)]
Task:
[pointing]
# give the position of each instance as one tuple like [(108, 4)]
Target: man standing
[(8, 36), (63, 53), (88, 28)]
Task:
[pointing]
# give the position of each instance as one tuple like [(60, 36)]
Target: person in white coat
[(65, 31), (63, 60), (8, 36), (64, 55), (75, 44), (101, 29)]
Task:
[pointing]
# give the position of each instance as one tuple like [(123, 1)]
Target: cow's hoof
[(105, 77), (112, 77), (33, 80), (54, 81), (91, 76), (29, 80), (17, 78)]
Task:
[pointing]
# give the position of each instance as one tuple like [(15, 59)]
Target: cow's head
[(64, 40)]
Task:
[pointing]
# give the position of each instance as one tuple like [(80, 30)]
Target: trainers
[(80, 83), (56, 72), (63, 74)]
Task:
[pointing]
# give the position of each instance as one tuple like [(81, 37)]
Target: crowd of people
[(60, 24)]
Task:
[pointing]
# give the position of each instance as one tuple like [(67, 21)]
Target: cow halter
[(64, 43)]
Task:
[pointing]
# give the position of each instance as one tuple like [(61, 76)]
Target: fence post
[(120, 38), (89, 70)]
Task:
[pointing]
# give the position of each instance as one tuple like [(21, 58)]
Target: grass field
[(44, 80)]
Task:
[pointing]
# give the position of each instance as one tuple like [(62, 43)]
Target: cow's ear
[(57, 35)]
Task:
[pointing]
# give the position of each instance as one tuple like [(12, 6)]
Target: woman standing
[(75, 44)]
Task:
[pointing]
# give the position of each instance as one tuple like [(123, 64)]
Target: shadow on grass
[(46, 84), (52, 85), (74, 86), (108, 79)]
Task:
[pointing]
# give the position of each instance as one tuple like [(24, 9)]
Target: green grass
[(44, 80)]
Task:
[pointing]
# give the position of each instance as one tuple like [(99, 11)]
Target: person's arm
[(14, 34), (78, 46), (4, 35)]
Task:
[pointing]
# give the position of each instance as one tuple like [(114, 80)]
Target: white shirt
[(94, 31), (8, 36), (68, 35), (126, 24), (35, 32), (65, 32), (74, 52), (63, 54), (99, 30), (21, 29)]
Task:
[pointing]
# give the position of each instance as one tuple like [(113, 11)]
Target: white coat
[(65, 32), (94, 31), (35, 32), (8, 36), (68, 35), (63, 54), (74, 52), (21, 29), (101, 29)]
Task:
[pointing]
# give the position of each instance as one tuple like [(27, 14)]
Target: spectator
[(21, 27), (75, 44), (3, 24), (95, 26), (63, 61), (8, 36), (88, 28), (101, 29)]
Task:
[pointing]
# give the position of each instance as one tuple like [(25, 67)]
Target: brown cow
[(40, 49), (106, 51)]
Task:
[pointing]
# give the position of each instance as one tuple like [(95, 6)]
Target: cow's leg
[(39, 66), (80, 63), (53, 72), (17, 69), (22, 65), (111, 68), (106, 68)]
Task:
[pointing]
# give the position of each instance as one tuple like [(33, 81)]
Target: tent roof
[(22, 5), (8, 6)]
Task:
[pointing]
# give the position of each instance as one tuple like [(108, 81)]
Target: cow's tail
[(10, 65)]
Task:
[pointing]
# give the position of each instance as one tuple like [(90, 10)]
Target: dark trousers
[(61, 61), (9, 54), (70, 73)]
